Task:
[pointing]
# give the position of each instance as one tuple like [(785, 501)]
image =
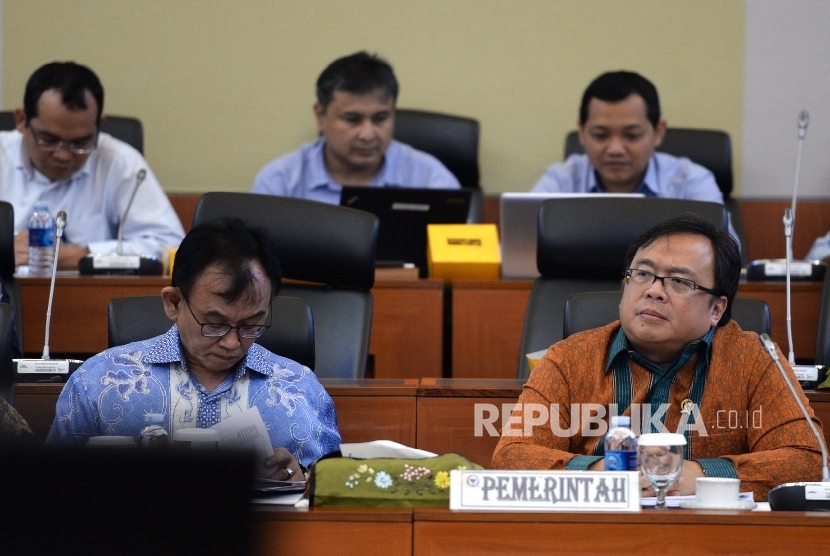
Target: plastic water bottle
[(41, 241), (153, 435), (620, 445)]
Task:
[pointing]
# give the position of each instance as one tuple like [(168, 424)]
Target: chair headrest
[(315, 241), (587, 237), (6, 240)]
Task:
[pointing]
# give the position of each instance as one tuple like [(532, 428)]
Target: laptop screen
[(404, 213)]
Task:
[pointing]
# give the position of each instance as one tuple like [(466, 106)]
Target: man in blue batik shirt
[(207, 368), (355, 114), (620, 127)]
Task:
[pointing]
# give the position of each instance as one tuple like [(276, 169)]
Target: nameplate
[(116, 261), (487, 489), (806, 372), (42, 366), (817, 491)]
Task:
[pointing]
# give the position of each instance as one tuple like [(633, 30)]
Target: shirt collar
[(648, 187), (620, 344), (168, 349)]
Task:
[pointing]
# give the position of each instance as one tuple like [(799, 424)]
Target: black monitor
[(404, 213)]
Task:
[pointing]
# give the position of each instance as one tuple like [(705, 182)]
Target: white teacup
[(111, 442), (197, 439), (717, 491)]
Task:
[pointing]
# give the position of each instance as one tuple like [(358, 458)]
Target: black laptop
[(404, 213)]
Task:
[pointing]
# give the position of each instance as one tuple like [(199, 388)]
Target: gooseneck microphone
[(803, 495), (46, 369), (139, 179), (118, 263), (60, 224)]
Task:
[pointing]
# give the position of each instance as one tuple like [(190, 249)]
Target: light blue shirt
[(666, 176), (111, 392), (94, 198), (303, 173), (820, 248)]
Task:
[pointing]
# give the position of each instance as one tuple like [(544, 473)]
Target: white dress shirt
[(94, 198)]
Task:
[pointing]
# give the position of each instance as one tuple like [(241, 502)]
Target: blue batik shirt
[(111, 392)]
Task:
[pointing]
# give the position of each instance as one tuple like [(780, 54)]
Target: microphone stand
[(802, 495), (47, 369)]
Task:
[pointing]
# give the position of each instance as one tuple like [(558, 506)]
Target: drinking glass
[(661, 459)]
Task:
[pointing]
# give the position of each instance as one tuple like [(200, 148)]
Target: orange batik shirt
[(743, 420)]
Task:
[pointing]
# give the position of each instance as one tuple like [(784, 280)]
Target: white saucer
[(694, 505)]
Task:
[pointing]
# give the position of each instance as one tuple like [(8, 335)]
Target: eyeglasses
[(54, 145), (674, 284), (217, 330)]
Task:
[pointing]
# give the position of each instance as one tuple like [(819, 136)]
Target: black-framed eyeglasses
[(54, 145), (217, 330), (674, 284)]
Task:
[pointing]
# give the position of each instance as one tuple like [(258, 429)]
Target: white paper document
[(382, 449), (675, 501), (246, 431)]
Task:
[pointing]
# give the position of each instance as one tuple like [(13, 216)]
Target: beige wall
[(223, 87)]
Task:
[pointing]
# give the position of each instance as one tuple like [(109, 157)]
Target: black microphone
[(802, 496), (46, 369), (118, 263)]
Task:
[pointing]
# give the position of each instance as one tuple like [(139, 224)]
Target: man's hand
[(683, 486), (67, 259), (21, 248), (285, 465), (70, 255)]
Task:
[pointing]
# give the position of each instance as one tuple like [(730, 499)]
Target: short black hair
[(357, 73), (614, 86), (71, 80), (231, 244), (727, 254)]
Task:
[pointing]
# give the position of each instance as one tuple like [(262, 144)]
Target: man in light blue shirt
[(57, 156), (207, 368), (355, 112), (620, 127)]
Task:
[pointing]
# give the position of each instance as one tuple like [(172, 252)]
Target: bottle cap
[(154, 418), (620, 421)]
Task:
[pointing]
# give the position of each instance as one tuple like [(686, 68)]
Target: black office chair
[(10, 283), (710, 148), (823, 332), (587, 310), (7, 351), (581, 247), (131, 319), (332, 250), (125, 128), (451, 139)]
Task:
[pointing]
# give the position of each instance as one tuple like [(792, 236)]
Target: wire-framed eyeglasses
[(674, 284), (217, 330), (53, 144)]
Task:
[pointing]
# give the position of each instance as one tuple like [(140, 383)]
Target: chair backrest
[(7, 351), (581, 247), (125, 128), (10, 283), (451, 139), (587, 310), (710, 148), (823, 332), (330, 245), (131, 319)]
